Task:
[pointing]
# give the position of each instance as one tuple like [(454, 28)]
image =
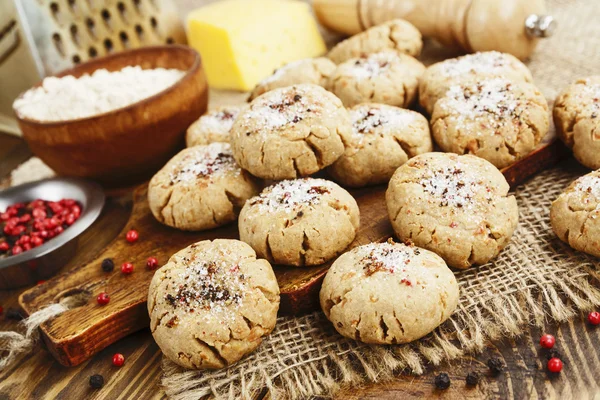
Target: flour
[(68, 98)]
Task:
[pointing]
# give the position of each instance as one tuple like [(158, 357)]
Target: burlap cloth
[(534, 279)]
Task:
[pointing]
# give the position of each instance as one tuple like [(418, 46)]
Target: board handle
[(511, 26)]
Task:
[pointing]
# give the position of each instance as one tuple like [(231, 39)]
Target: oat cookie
[(200, 188), (439, 77), (575, 214), (456, 206), (212, 127), (388, 293), (212, 303), (577, 120), (397, 34), (386, 77), (310, 70), (290, 132), (492, 118), (385, 137), (300, 222)]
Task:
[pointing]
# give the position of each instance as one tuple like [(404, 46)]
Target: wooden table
[(39, 376)]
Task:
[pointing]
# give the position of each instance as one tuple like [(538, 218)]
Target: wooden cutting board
[(76, 335)]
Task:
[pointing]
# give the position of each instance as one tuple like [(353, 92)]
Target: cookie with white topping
[(493, 118), (577, 119), (456, 206), (300, 222), (387, 77), (212, 303), (398, 35), (384, 138), (200, 188), (388, 293), (439, 77), (309, 70), (290, 132), (575, 214), (214, 126)]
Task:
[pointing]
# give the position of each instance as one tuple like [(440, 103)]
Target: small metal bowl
[(44, 261)]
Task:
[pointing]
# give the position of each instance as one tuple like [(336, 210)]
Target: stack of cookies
[(344, 116)]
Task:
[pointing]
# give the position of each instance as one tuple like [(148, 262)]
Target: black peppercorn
[(96, 381), (472, 379), (108, 265), (553, 354), (495, 365), (442, 381), (14, 314)]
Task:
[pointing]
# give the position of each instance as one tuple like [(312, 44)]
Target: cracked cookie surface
[(200, 188), (387, 77), (575, 214), (212, 303), (290, 132), (398, 34), (309, 70), (577, 119), (456, 206), (214, 126), (300, 222), (384, 137), (388, 293), (439, 77), (493, 118)]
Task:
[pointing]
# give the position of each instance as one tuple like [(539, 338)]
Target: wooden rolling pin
[(511, 26)]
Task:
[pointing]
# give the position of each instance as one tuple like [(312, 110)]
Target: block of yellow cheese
[(243, 41)]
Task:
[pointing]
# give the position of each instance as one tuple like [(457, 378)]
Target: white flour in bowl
[(67, 98)]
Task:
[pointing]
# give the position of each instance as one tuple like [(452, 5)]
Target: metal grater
[(41, 37)]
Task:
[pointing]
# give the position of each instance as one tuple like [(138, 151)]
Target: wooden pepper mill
[(511, 26)]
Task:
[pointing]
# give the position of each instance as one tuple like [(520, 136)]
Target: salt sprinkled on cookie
[(489, 100), (488, 62), (366, 119), (590, 186), (453, 186), (280, 72), (290, 195), (221, 121), (216, 158), (373, 65), (286, 108), (387, 257)]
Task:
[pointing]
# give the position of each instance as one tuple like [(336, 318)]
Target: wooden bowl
[(125, 146)]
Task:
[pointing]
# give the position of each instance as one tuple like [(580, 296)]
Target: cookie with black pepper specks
[(212, 127), (212, 303), (493, 118), (300, 222), (200, 188), (388, 293), (456, 206), (290, 132)]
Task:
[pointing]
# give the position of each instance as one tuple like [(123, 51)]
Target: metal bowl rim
[(94, 197)]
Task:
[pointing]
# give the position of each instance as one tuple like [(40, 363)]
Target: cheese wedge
[(243, 41)]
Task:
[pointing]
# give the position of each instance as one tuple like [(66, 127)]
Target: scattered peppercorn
[(118, 360), (594, 318), (553, 354), (472, 379), (108, 265), (152, 263), (555, 365), (132, 236), (442, 381), (495, 365), (547, 341), (127, 268), (96, 381), (14, 314), (103, 298)]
